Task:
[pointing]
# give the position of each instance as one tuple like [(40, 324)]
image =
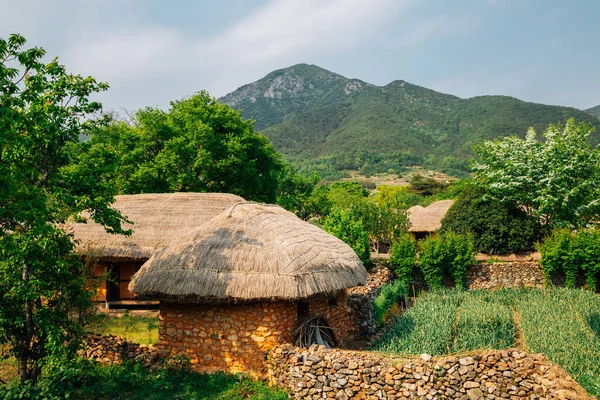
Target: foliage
[(300, 194), (88, 380), (425, 186), (447, 254), (43, 182), (390, 295), (345, 195), (403, 257), (556, 180), (497, 227), (322, 127), (399, 197), (342, 224), (136, 329), (571, 253), (383, 223), (198, 145)]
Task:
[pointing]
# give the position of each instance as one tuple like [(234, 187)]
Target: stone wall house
[(244, 282), (156, 220)]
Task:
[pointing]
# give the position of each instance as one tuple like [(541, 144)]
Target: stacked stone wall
[(318, 373), (225, 337), (338, 315), (113, 350), (509, 274)]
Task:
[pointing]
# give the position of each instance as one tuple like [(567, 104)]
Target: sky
[(152, 52)]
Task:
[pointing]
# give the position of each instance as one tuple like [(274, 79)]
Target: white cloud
[(441, 26)]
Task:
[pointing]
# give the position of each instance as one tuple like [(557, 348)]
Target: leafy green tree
[(300, 194), (397, 196), (497, 227), (43, 112), (556, 180), (383, 223), (403, 257), (346, 194), (198, 145), (448, 254), (343, 225)]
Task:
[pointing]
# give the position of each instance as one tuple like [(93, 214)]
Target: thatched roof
[(250, 252), (158, 219), (428, 219)]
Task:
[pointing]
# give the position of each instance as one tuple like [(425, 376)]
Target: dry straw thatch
[(158, 219), (250, 252), (428, 219)]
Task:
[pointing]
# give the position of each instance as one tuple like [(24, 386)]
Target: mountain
[(322, 121), (594, 111)]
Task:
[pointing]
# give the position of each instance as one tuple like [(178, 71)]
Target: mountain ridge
[(322, 121)]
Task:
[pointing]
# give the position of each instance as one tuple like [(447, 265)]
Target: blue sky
[(153, 51)]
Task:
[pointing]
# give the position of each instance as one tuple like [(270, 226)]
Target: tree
[(556, 180), (198, 145), (43, 112), (343, 225), (496, 226), (301, 194)]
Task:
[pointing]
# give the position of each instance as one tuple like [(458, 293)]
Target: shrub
[(497, 227), (403, 256), (390, 295), (341, 224), (450, 254), (571, 253)]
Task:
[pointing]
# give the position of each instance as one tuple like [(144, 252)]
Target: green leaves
[(199, 145), (44, 181), (342, 224), (556, 180)]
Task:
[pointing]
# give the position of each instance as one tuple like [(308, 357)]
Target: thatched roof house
[(158, 219), (251, 252), (241, 284), (426, 220)]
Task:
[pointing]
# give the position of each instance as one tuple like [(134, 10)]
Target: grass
[(562, 323), (86, 380), (137, 329)]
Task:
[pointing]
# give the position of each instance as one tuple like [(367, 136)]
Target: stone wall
[(338, 315), (112, 350), (360, 300), (226, 337), (317, 373), (509, 274)]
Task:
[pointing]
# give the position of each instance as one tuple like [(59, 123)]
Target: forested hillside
[(595, 111), (325, 122)]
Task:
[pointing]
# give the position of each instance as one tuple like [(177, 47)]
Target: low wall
[(360, 300), (112, 350), (506, 274), (317, 373)]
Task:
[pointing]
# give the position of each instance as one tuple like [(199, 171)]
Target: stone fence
[(112, 350), (318, 373)]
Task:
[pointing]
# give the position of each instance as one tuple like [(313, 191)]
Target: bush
[(571, 253), (449, 254), (496, 227), (341, 224), (403, 258), (390, 295)]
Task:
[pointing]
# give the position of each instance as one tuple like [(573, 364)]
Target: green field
[(564, 324), (137, 329)]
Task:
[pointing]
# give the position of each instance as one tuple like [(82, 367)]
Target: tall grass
[(424, 328), (483, 324)]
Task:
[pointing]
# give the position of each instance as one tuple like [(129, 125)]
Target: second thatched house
[(425, 221), (253, 277), (158, 219)]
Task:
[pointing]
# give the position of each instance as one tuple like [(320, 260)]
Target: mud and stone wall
[(338, 314), (225, 337), (317, 373)]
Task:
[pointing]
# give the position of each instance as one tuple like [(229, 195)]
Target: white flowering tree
[(556, 179)]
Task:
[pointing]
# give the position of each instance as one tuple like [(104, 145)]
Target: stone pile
[(497, 275), (115, 350), (360, 300), (317, 373)]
